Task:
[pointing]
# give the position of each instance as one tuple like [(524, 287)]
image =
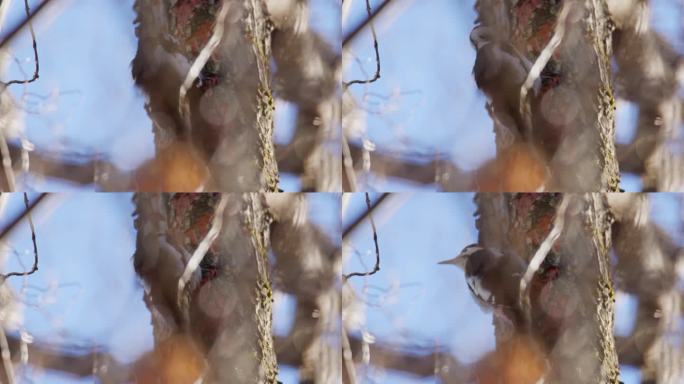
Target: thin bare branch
[(34, 268), (355, 32), (13, 224), (6, 357), (35, 51), (375, 48), (352, 227), (376, 267), (13, 33)]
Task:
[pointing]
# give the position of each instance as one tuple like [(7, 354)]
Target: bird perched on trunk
[(493, 279), (500, 71)]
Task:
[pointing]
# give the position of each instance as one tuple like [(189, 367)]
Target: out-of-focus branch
[(77, 169), (89, 361), (315, 93), (85, 169), (647, 76), (443, 172), (81, 362), (647, 264), (307, 267), (421, 362)]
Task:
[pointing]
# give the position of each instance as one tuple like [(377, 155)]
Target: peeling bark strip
[(572, 127), (226, 338), (224, 127), (571, 294)]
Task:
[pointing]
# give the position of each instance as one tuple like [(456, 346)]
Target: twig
[(375, 47), (35, 51), (201, 61), (6, 356), (347, 357), (542, 251), (375, 241), (10, 227), (348, 163), (12, 34), (351, 227), (34, 268), (355, 32), (201, 250), (7, 163)]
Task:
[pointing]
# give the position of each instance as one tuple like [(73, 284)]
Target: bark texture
[(223, 127), (226, 327), (572, 115), (572, 299)]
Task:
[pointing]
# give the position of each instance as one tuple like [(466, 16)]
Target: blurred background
[(85, 106), (426, 106), (85, 294), (415, 307)]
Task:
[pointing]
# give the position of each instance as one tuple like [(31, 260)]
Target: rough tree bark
[(223, 333), (572, 116), (572, 297), (219, 136)]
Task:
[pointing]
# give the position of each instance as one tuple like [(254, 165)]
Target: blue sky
[(414, 301), (86, 291), (426, 101), (85, 100)]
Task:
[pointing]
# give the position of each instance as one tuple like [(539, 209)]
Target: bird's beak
[(459, 261)]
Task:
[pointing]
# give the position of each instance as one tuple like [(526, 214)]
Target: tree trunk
[(571, 294), (219, 136), (223, 333), (569, 143)]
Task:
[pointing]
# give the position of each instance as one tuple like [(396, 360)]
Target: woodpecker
[(499, 71), (493, 279)]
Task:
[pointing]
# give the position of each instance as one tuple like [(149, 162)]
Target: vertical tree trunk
[(226, 325), (572, 124), (222, 129), (572, 299)]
